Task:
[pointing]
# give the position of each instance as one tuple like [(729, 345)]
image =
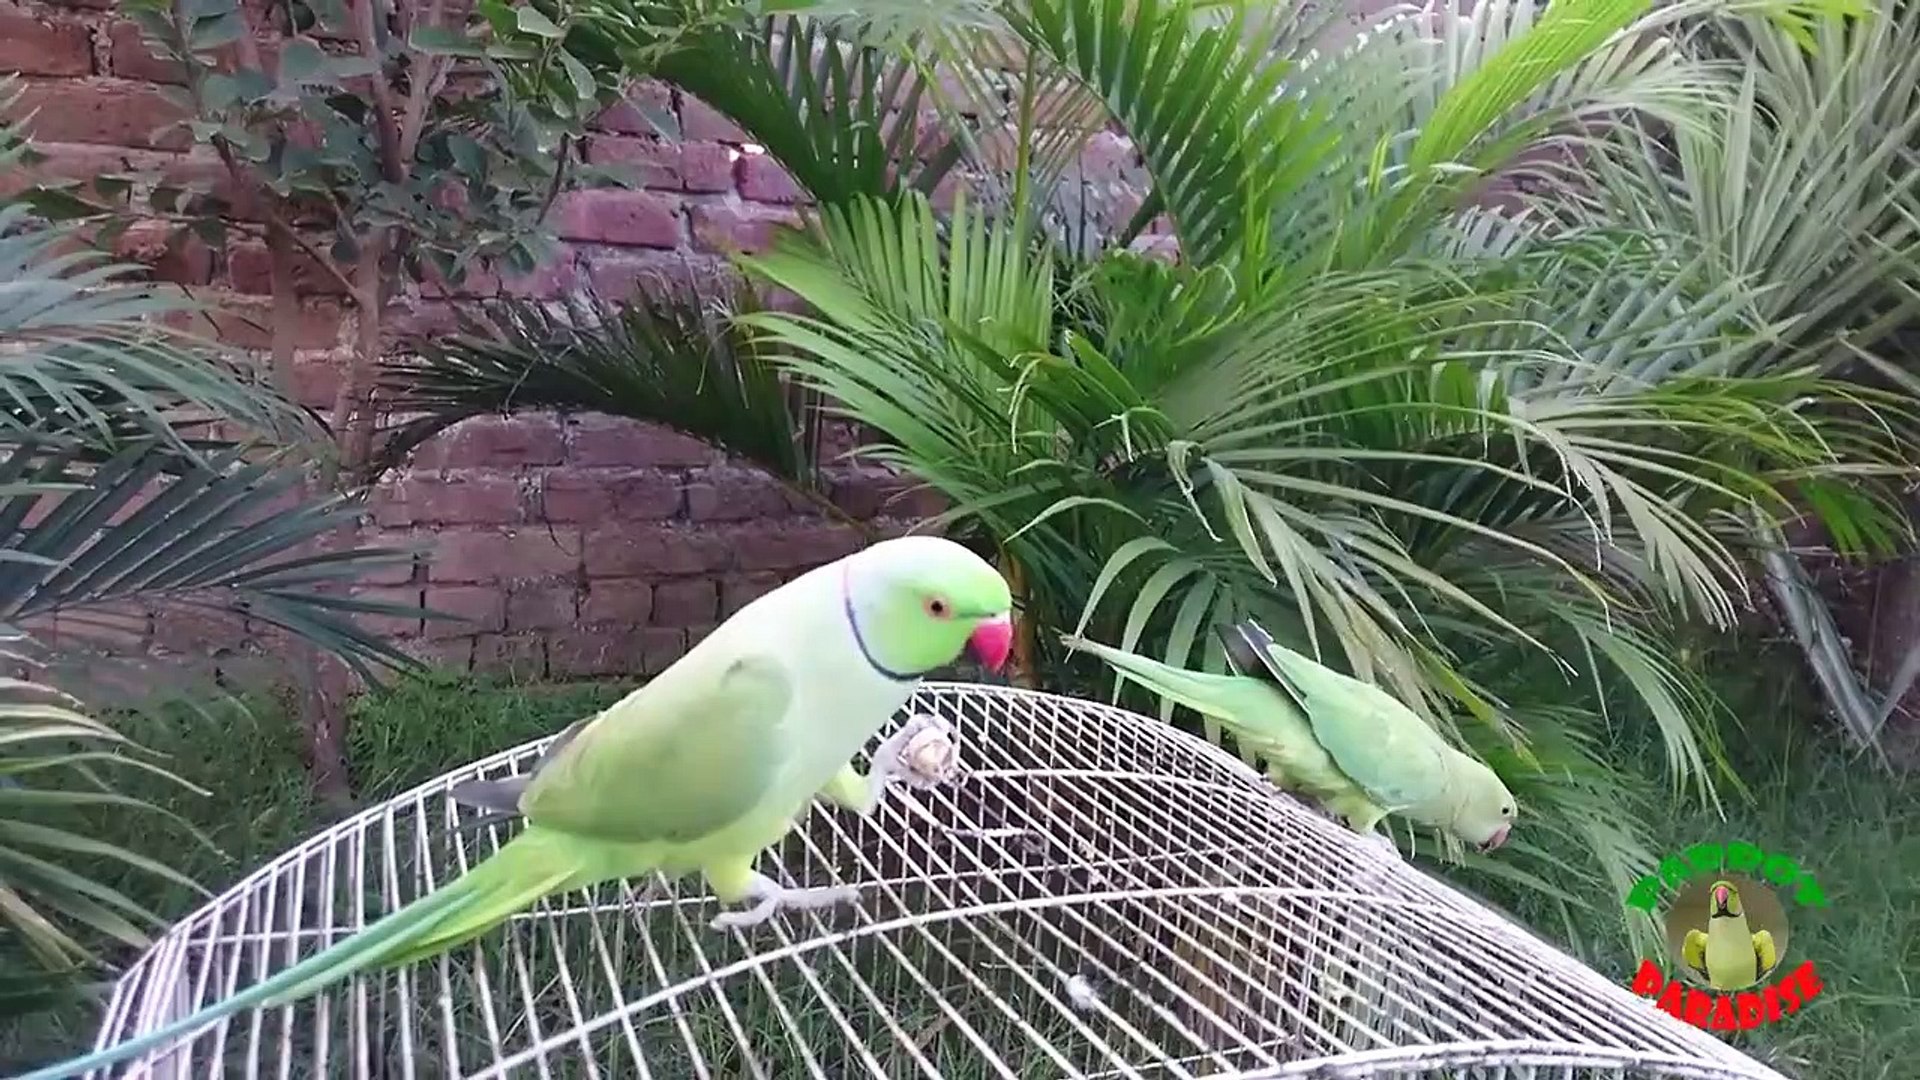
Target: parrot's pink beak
[(1497, 839), (1722, 900), (991, 641)]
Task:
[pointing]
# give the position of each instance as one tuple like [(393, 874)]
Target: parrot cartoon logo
[(1727, 932)]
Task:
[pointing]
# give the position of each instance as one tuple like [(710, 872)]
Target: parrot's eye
[(938, 608), (1507, 810)]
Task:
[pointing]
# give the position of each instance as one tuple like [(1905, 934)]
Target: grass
[(1859, 832)]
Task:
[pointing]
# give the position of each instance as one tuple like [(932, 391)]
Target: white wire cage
[(1098, 895)]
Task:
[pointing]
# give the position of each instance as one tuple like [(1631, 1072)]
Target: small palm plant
[(1420, 438), (118, 502)]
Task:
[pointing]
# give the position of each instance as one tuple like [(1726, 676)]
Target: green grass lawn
[(1860, 832)]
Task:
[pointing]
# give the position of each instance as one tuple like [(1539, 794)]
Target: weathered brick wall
[(577, 546)]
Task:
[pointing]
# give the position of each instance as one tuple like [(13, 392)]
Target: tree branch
[(393, 164), (429, 73)]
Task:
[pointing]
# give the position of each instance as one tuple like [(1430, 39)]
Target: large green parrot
[(1729, 952), (701, 769), (1346, 743)]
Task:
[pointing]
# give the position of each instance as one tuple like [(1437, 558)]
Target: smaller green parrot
[(1345, 743), (1730, 954)]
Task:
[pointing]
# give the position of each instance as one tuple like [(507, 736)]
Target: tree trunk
[(1023, 669), (329, 684)]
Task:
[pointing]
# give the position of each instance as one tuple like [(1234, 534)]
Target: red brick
[(130, 58), (442, 654), (425, 319), (606, 440), (250, 270), (698, 121), (390, 625), (749, 229), (654, 550), (209, 179), (738, 592), (395, 573), (624, 119), (590, 650), (107, 111), (504, 555), (542, 607), (316, 380), (169, 252), (656, 163), (514, 654), (477, 608), (617, 216), (459, 499), (685, 603), (557, 278), (617, 600), (246, 323), (494, 442), (596, 495), (871, 494), (32, 45), (737, 495), (622, 276), (792, 547), (1108, 158), (763, 180)]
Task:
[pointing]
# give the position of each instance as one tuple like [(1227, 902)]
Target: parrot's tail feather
[(534, 863), (1218, 696), (483, 911)]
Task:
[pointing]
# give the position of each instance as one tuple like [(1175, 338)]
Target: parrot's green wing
[(1693, 949), (703, 748), (1764, 952), (1378, 742)]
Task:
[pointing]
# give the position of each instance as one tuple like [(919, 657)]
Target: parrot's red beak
[(990, 643), (1722, 901)]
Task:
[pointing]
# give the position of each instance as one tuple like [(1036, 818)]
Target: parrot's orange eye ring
[(939, 608)]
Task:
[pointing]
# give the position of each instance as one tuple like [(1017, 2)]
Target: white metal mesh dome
[(1099, 896)]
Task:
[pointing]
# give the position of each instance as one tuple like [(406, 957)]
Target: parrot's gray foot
[(924, 753), (771, 896)]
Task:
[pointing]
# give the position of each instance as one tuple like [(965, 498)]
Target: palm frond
[(663, 359), (230, 535), (57, 913)]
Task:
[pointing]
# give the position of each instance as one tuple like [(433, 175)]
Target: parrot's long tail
[(1224, 697), (532, 865)]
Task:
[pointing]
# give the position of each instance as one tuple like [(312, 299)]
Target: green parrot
[(1347, 744), (1731, 955), (699, 770)]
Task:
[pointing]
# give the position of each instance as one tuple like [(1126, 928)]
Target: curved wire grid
[(1099, 896)]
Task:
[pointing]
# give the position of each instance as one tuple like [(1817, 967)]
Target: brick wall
[(577, 546)]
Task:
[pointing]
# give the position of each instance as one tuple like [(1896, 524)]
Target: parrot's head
[(1484, 814), (1723, 901), (922, 602)]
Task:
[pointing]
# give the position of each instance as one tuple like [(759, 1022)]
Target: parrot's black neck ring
[(860, 639)]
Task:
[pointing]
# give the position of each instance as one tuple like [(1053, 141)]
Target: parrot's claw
[(924, 753), (773, 896)]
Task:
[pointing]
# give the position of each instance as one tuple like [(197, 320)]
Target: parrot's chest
[(1730, 951)]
